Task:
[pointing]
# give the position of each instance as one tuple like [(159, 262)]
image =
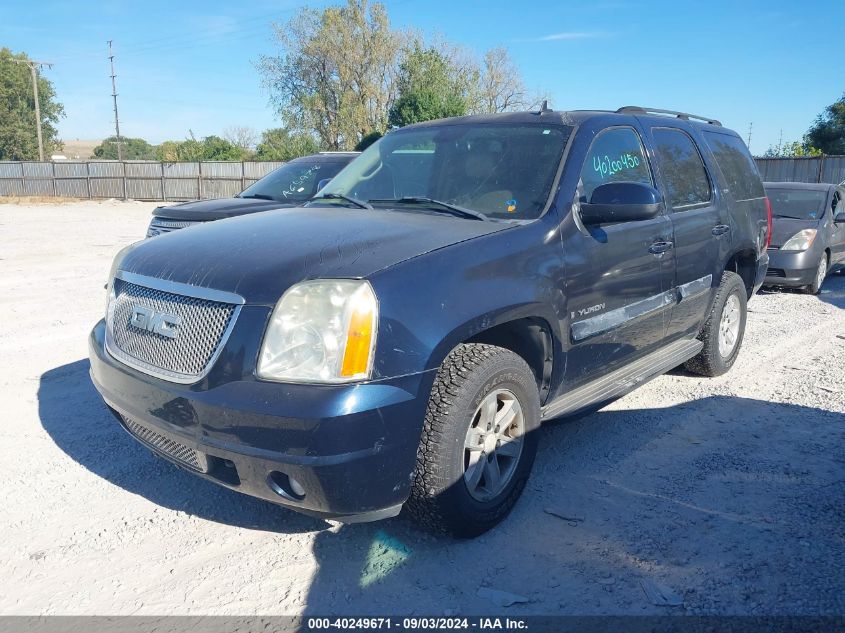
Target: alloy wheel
[(729, 326), (493, 444)]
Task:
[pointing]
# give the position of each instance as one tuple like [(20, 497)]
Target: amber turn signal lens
[(359, 339)]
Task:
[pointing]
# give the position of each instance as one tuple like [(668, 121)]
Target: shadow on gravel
[(833, 289), (832, 292), (74, 416), (722, 505), (713, 506)]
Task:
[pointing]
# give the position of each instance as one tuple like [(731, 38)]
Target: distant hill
[(78, 149)]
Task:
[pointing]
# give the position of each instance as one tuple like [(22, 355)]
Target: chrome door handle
[(721, 229), (658, 248)]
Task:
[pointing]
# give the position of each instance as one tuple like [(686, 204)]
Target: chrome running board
[(620, 381)]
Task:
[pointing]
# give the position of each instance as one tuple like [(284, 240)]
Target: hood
[(784, 228), (260, 256), (217, 209)]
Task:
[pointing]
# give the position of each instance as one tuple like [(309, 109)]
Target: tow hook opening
[(285, 486)]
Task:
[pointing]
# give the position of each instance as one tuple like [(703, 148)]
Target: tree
[(133, 149), (18, 136), (168, 151), (284, 144), (828, 131), (193, 150), (501, 86), (792, 150), (430, 86), (335, 73), (216, 148), (368, 140), (242, 137)]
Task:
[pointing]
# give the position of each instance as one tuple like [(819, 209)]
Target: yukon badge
[(585, 311), (161, 323)]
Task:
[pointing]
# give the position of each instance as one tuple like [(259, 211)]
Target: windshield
[(504, 171), (293, 182), (798, 204)]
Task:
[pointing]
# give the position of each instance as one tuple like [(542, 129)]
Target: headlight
[(321, 331), (115, 265), (801, 241)]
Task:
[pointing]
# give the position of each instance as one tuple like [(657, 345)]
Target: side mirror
[(621, 202), (839, 218), (323, 183)]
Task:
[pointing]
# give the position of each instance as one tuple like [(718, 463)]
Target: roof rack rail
[(681, 115)]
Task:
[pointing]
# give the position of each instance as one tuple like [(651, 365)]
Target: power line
[(33, 68), (114, 96)]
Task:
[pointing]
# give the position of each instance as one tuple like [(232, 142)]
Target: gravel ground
[(690, 495)]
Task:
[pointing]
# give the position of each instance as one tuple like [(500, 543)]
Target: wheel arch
[(526, 333), (744, 263)]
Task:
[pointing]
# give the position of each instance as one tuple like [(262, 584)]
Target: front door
[(618, 288)]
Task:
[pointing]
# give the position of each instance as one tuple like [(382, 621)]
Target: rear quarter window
[(736, 164)]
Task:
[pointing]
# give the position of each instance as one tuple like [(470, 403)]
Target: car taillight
[(768, 222)]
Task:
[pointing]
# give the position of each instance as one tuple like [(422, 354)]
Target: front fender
[(432, 303)]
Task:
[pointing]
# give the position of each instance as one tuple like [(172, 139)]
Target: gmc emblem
[(145, 318)]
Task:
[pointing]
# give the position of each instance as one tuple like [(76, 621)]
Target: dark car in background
[(290, 185), (808, 238)]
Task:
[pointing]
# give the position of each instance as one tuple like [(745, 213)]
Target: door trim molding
[(618, 317)]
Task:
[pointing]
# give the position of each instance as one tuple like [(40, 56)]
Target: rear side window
[(616, 155), (736, 164), (682, 169)]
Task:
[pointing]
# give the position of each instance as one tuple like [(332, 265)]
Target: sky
[(188, 65)]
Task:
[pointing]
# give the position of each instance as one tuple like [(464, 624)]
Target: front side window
[(292, 182), (503, 170), (616, 155), (682, 168)]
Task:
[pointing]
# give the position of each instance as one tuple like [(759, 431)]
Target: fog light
[(285, 486)]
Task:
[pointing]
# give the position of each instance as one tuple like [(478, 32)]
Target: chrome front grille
[(196, 332), (160, 225), (185, 455)]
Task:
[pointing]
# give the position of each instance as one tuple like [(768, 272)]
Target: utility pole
[(114, 96), (750, 128), (33, 68)]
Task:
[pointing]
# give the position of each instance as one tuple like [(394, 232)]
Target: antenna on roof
[(545, 107)]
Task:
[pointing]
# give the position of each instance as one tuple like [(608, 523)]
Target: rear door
[(701, 225), (616, 291)]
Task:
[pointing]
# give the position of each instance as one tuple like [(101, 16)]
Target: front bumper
[(352, 448), (792, 269)]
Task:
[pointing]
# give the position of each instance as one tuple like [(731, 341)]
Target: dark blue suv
[(398, 343)]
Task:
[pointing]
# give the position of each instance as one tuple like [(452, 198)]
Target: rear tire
[(468, 477), (821, 273), (723, 329)]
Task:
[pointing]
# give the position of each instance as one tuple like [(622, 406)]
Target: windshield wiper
[(439, 206), (339, 196), (259, 196)]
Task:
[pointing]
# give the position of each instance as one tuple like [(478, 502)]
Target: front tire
[(478, 442), (723, 330), (821, 273)]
